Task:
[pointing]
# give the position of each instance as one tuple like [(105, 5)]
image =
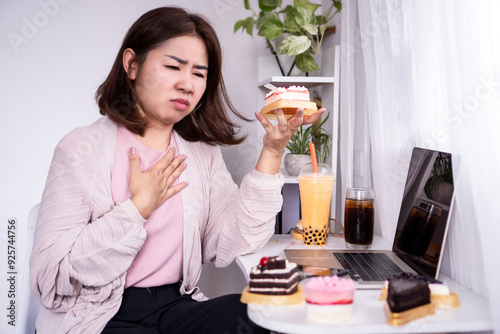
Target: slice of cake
[(404, 294), (441, 295), (407, 300), (273, 281), (329, 299), (274, 276), (289, 99)]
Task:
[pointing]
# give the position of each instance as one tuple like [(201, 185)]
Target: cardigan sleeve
[(241, 220), (82, 238)]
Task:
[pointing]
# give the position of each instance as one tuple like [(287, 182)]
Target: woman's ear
[(129, 63)]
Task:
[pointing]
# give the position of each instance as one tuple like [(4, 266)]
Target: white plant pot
[(294, 163), (286, 61)]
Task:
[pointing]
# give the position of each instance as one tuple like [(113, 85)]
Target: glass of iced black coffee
[(419, 228), (359, 218)]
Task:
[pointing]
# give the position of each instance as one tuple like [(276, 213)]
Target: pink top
[(159, 261)]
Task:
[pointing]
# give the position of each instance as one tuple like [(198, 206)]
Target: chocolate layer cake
[(274, 277), (405, 294)]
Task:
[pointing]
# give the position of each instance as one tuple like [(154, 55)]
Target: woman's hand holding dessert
[(277, 137)]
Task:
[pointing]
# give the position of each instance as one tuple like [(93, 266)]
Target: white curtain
[(427, 73)]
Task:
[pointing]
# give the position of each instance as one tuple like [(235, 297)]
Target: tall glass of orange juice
[(315, 195)]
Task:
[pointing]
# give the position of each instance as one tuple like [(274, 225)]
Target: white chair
[(28, 304)]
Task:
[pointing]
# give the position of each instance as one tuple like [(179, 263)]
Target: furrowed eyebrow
[(183, 61)]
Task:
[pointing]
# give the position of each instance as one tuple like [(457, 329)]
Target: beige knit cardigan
[(84, 242)]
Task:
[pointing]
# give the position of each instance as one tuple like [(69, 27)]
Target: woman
[(137, 201)]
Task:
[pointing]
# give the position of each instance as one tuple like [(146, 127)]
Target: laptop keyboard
[(368, 266)]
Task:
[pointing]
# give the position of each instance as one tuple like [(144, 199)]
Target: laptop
[(421, 230)]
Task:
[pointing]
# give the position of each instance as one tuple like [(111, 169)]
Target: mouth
[(180, 104)]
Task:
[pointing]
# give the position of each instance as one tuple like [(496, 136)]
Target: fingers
[(292, 124), (175, 167), (171, 191), (168, 163), (283, 125), (261, 119), (168, 177), (314, 117), (164, 162), (135, 161), (264, 121), (176, 172), (297, 119)]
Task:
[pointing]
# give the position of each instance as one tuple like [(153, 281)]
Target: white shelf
[(302, 80), (289, 179)]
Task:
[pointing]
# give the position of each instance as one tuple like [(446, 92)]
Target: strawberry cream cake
[(289, 99), (329, 299)]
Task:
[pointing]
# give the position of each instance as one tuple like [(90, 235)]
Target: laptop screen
[(425, 211)]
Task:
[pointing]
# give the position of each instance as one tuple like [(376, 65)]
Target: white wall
[(54, 70), (54, 54)]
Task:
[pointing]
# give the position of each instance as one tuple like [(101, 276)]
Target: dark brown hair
[(209, 122)]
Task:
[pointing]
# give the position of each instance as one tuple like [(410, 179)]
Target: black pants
[(164, 310)]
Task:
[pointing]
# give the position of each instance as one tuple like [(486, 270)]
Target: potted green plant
[(439, 186), (302, 28), (299, 146)]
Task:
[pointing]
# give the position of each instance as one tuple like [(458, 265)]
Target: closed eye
[(172, 67)]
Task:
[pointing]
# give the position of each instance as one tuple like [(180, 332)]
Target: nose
[(185, 83)]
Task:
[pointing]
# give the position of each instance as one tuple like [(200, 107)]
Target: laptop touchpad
[(313, 257)]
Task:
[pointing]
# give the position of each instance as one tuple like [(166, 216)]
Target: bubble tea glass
[(315, 196), (359, 218)]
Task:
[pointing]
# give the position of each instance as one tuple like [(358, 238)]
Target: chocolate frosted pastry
[(416, 277), (441, 296), (436, 287), (405, 294)]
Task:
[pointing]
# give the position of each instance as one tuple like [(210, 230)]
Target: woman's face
[(172, 80)]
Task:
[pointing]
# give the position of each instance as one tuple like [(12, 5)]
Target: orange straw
[(313, 158)]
